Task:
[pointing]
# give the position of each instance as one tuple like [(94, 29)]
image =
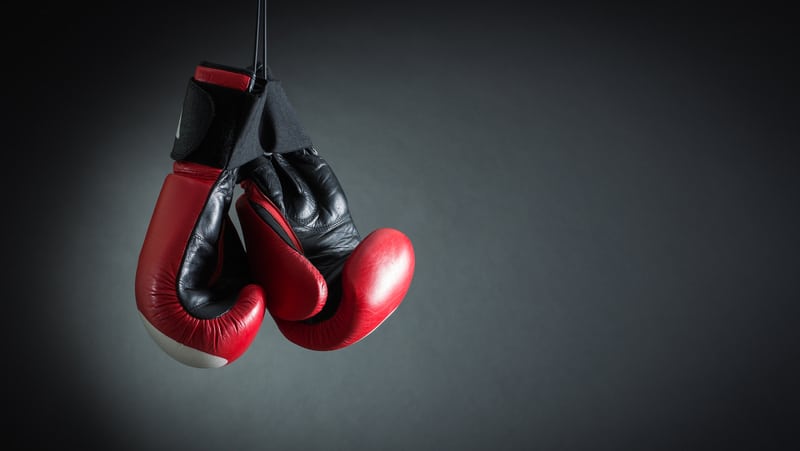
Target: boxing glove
[(327, 288), (193, 288)]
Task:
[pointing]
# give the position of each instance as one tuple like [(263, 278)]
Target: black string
[(261, 17), (265, 39), (255, 47)]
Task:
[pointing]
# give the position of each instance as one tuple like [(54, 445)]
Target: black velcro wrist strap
[(210, 124), (272, 127), (226, 128), (282, 131)]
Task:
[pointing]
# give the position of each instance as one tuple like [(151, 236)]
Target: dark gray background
[(603, 202)]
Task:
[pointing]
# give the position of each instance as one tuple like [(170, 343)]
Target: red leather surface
[(293, 286), (228, 79), (375, 280), (179, 204)]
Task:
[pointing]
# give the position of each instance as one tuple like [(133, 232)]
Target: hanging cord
[(261, 22)]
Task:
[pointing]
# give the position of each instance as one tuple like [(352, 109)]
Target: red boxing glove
[(193, 286), (326, 287)]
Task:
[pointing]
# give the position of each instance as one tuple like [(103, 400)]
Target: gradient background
[(603, 202)]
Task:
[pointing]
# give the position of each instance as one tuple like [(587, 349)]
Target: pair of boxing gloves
[(203, 292)]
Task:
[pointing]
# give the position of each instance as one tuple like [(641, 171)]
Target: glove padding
[(193, 287), (326, 287)]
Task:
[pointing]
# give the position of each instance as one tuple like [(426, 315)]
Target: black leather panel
[(305, 189), (205, 256)]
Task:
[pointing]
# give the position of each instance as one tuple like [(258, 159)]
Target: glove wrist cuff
[(217, 109)]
